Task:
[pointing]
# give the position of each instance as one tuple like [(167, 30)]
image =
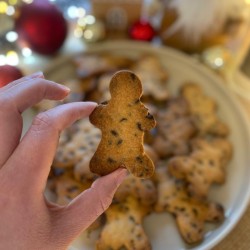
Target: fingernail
[(93, 104), (122, 174), (37, 74), (65, 88)]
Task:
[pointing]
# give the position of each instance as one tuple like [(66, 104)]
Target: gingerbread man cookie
[(190, 214), (175, 128), (204, 166), (142, 189), (123, 121), (123, 229), (203, 109)]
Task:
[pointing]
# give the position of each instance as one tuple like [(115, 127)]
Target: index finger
[(28, 93), (13, 101)]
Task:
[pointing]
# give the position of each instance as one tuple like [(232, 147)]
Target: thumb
[(88, 206)]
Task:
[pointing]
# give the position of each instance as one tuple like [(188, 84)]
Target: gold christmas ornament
[(218, 58)]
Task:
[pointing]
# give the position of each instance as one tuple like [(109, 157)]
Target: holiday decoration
[(71, 8), (195, 25), (117, 15), (142, 30), (41, 27), (90, 29), (8, 74)]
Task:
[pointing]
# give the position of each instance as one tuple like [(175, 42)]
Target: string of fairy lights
[(12, 53)]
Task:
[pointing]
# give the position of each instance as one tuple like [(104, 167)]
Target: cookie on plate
[(123, 229), (153, 77), (190, 214), (203, 109), (174, 128), (141, 189), (204, 166), (67, 188), (123, 121), (83, 142)]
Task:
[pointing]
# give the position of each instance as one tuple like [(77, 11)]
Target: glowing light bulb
[(11, 36), (72, 12), (81, 22), (218, 62), (3, 7), (88, 34), (2, 60), (26, 52), (81, 12), (89, 19), (10, 11), (78, 32), (12, 58), (28, 1)]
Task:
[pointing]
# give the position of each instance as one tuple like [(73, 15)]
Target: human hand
[(27, 220)]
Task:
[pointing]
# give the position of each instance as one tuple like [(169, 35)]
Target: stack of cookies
[(189, 147)]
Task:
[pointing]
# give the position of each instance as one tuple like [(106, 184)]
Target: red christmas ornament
[(41, 26), (142, 30), (8, 74)]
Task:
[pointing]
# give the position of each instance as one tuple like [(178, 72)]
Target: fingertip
[(87, 108), (65, 88), (122, 173), (91, 105), (38, 74)]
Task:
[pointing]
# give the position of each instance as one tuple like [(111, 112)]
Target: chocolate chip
[(139, 159), (133, 77), (114, 133), (211, 163), (193, 225), (149, 116), (138, 236), (119, 142), (219, 208), (123, 119), (195, 211), (131, 218), (132, 242), (140, 175), (110, 160), (139, 126)]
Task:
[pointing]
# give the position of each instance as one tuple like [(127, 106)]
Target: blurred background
[(35, 32)]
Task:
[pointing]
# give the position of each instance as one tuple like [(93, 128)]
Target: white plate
[(234, 194)]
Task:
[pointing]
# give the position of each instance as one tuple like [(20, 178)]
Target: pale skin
[(27, 219)]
